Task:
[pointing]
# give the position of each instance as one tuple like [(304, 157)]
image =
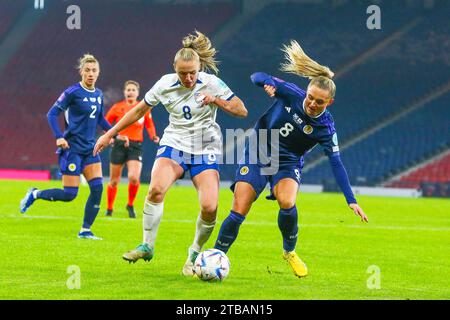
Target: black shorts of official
[(121, 154)]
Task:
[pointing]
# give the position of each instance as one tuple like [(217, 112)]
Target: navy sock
[(93, 202), (229, 231), (66, 195), (287, 222)]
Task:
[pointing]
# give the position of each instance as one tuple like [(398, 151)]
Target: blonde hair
[(300, 64), (198, 47), (131, 82), (86, 58)]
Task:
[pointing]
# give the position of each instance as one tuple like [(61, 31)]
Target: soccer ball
[(212, 265)]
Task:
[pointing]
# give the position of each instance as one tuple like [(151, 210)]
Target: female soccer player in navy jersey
[(302, 121), (82, 105)]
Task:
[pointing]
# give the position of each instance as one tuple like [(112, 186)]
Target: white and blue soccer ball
[(212, 265)]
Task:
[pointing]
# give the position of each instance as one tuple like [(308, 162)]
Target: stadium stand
[(34, 81), (10, 11), (412, 61), (437, 171)]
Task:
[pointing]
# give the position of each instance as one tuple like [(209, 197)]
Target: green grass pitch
[(403, 253)]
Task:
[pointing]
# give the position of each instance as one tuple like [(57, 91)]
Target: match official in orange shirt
[(131, 154)]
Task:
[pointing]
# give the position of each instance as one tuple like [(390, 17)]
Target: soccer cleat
[(88, 235), (297, 265), (27, 201), (131, 212), (188, 268), (142, 251), (109, 213)]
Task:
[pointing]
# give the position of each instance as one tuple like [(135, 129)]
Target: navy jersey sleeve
[(61, 105), (283, 89), (102, 122), (329, 143)]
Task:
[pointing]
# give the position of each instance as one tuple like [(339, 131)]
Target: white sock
[(151, 218), (202, 233), (34, 193)]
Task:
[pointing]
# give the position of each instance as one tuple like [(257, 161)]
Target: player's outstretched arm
[(130, 117), (276, 87), (342, 180), (234, 106)]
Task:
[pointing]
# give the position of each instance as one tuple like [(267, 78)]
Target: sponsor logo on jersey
[(288, 109), (72, 167), (61, 97), (92, 99), (307, 129), (297, 119), (244, 170)]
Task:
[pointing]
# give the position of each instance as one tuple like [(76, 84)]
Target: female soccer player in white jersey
[(302, 121), (82, 105), (191, 142)]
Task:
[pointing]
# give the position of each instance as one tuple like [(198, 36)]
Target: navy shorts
[(194, 164), (253, 174), (72, 163)]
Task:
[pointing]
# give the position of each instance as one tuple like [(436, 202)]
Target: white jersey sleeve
[(220, 89), (153, 96)]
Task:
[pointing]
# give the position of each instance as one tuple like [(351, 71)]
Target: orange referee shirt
[(134, 131)]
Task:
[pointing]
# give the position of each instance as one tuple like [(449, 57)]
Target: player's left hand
[(359, 212), (270, 90), (155, 139), (207, 98)]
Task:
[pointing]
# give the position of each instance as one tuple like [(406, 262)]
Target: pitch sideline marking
[(312, 225)]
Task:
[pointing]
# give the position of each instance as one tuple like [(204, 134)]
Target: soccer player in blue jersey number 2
[(302, 121), (82, 105)]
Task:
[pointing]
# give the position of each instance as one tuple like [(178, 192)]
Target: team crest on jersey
[(244, 170), (99, 100), (307, 129), (72, 167)]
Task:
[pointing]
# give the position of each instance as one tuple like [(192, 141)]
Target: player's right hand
[(270, 90), (101, 144), (62, 143)]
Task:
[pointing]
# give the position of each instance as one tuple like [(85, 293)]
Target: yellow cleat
[(298, 266)]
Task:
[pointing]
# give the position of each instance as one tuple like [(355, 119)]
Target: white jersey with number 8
[(192, 127)]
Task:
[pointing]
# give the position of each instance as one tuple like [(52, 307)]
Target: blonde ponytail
[(198, 47), (299, 63)]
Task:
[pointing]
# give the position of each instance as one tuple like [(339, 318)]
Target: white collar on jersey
[(315, 116), (88, 90), (179, 83)]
